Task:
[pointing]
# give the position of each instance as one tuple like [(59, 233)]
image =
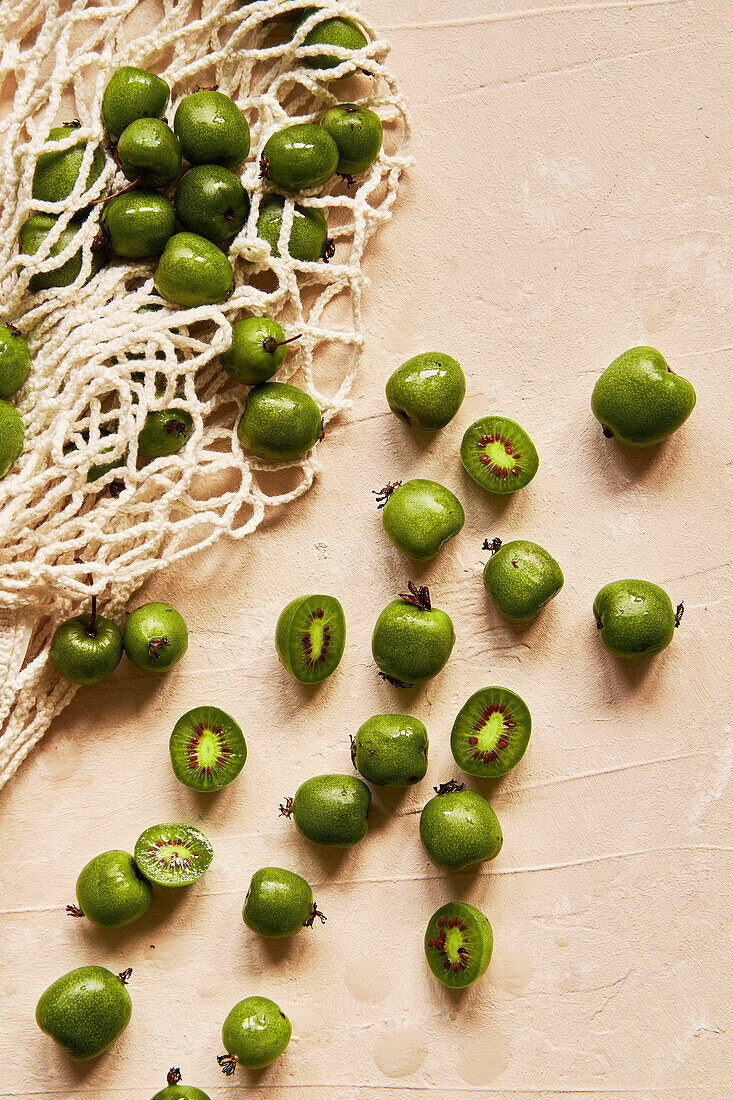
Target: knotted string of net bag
[(100, 363)]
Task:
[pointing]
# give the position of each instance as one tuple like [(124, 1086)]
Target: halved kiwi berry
[(173, 854), (458, 944), (499, 455), (207, 749), (310, 637), (491, 732)]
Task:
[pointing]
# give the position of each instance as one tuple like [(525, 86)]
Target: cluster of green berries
[(88, 1008), (188, 232)]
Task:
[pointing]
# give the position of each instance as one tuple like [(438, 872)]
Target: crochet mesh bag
[(99, 365)]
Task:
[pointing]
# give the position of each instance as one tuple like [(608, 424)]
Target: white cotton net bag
[(100, 363)]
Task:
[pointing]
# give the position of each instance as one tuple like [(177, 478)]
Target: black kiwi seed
[(499, 455), (491, 732), (207, 749)]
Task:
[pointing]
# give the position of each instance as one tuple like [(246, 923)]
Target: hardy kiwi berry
[(176, 1091), (111, 892), (207, 749), (458, 944), (499, 455), (173, 854), (279, 903), (310, 637), (330, 810), (491, 732), (458, 828), (412, 640), (255, 1033)]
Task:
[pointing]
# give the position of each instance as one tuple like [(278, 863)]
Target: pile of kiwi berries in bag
[(638, 399)]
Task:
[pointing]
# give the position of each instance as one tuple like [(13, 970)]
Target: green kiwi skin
[(161, 876), (391, 750), (521, 577), (208, 717), (504, 758), (458, 829), (332, 810), (527, 463), (477, 926), (289, 641)]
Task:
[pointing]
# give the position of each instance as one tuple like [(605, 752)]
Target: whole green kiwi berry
[(211, 201), (57, 170), (419, 516), (427, 391), (255, 1033), (176, 1091), (308, 239), (391, 750), (257, 350), (86, 648), (139, 223), (15, 361), (279, 903), (335, 31), (458, 944), (310, 637), (635, 618), (521, 578), (640, 400), (299, 157), (32, 235), (357, 132), (193, 272), (132, 93), (458, 828), (164, 433), (155, 637), (280, 422), (211, 129), (111, 892), (412, 640), (11, 437), (149, 152), (85, 1010), (330, 810)]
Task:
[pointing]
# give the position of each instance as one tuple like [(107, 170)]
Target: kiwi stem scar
[(125, 975), (308, 922), (228, 1064), (286, 808), (493, 546), (678, 614), (418, 597), (174, 1076), (449, 787), (155, 647), (391, 680), (384, 494), (74, 911)]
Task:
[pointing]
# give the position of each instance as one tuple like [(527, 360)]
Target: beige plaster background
[(571, 197)]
